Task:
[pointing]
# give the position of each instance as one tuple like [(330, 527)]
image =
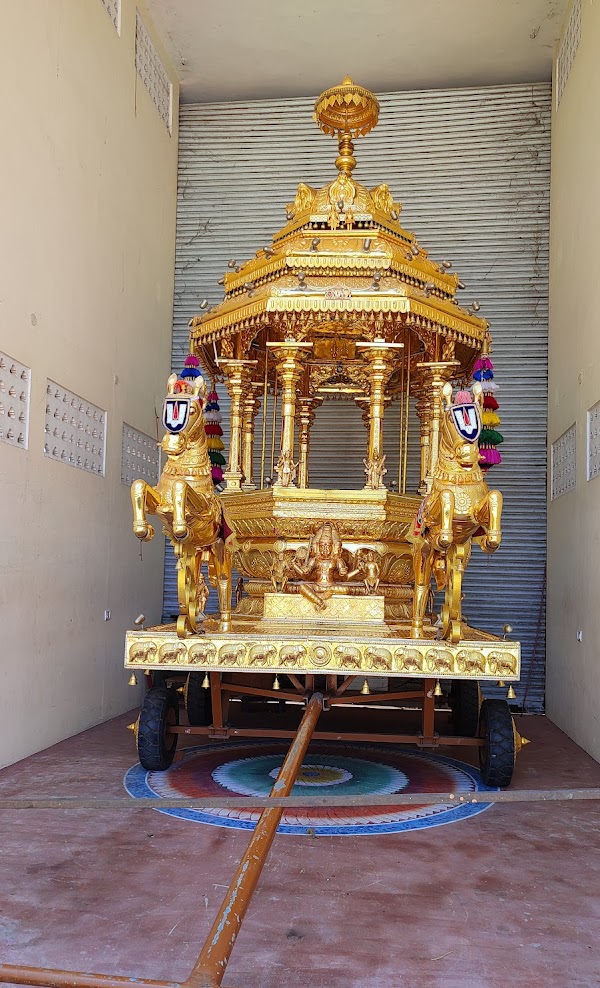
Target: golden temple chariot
[(345, 304)]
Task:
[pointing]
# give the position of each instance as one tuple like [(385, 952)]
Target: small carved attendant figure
[(281, 567), (239, 590), (286, 470), (375, 471), (368, 564), (202, 594)]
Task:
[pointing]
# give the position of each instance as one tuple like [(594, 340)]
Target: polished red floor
[(506, 898)]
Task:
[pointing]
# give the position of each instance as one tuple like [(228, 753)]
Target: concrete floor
[(509, 897)]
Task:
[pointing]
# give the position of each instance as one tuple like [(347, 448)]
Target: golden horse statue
[(458, 508), (185, 502)]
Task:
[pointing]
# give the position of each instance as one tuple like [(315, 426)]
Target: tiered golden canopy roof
[(343, 267)]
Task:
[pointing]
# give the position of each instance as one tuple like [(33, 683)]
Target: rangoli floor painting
[(330, 768)]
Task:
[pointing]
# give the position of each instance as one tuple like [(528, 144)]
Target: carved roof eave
[(429, 313), (418, 268)]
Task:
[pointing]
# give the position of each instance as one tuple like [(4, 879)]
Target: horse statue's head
[(460, 428), (182, 414)]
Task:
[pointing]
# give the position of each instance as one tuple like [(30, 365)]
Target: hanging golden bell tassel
[(132, 681), (500, 683), (276, 685), (365, 689), (511, 695), (205, 682), (438, 689)]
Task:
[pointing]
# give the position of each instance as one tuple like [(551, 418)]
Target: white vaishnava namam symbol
[(176, 412), (467, 421)]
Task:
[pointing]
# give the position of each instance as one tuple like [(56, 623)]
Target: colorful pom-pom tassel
[(491, 455), (489, 437), (213, 429), (463, 398), (490, 419), (490, 402)]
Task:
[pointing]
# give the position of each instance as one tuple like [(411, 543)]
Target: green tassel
[(489, 437), (216, 458)]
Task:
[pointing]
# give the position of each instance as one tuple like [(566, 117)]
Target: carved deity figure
[(323, 562), (375, 470), (286, 470)]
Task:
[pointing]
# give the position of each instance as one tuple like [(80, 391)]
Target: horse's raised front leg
[(489, 516), (422, 564), (191, 509), (144, 499)]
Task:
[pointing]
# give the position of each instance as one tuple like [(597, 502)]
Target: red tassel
[(490, 402)]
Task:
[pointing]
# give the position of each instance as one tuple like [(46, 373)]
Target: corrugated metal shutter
[(472, 167)]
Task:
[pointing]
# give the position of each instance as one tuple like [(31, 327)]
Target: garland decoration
[(212, 418), (490, 438)]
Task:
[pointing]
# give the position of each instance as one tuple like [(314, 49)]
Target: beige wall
[(87, 193), (573, 685)]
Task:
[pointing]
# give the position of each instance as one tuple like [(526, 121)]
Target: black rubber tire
[(159, 709), (464, 702), (198, 705), (497, 755)]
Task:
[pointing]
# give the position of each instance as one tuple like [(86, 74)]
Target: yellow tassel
[(213, 442), (490, 419)]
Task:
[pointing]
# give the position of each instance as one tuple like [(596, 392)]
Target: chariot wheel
[(465, 700), (197, 698), (155, 745), (498, 752)]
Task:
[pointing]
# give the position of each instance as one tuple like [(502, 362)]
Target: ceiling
[(262, 49)]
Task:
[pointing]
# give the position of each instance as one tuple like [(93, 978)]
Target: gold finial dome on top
[(346, 109)]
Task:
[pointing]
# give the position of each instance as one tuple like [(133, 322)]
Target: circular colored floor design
[(248, 769)]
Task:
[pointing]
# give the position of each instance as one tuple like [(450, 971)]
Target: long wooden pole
[(209, 969)]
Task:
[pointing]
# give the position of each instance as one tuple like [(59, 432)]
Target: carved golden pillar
[(423, 409), (250, 406), (434, 375), (308, 406), (289, 357), (379, 356), (237, 374)]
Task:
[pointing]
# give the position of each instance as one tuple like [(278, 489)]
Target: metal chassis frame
[(334, 695)]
